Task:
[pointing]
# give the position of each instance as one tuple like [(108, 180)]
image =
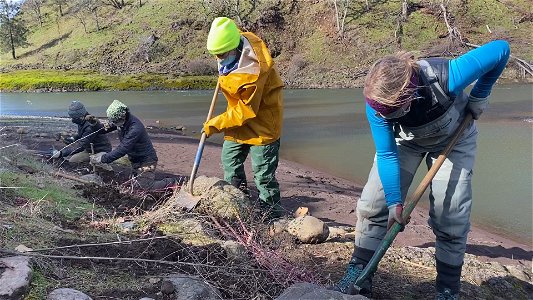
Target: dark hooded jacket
[(99, 140), (134, 142)]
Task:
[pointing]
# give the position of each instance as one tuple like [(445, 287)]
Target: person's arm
[(245, 110), (484, 64), (84, 142), (387, 157), (126, 145)]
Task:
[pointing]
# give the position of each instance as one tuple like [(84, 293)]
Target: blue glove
[(477, 105)]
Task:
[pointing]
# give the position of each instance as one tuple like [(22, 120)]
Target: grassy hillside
[(168, 37)]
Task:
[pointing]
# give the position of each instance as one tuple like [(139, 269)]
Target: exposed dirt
[(405, 270)]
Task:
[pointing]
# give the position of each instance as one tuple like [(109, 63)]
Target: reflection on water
[(327, 129)]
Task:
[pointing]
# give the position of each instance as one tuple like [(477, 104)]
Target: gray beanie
[(77, 110)]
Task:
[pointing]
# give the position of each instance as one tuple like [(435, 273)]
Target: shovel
[(186, 199), (372, 265)]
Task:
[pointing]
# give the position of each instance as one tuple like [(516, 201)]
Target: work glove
[(477, 105), (209, 130), (56, 154), (395, 215), (107, 124), (96, 158), (203, 131), (91, 119), (69, 140)]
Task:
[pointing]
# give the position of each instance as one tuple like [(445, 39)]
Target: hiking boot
[(347, 283), (447, 294)]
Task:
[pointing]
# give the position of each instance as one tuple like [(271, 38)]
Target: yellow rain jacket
[(255, 102)]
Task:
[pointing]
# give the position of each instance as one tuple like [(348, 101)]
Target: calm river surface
[(327, 130)]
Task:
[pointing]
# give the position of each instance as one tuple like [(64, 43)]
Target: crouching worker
[(90, 138), (253, 118), (135, 143)]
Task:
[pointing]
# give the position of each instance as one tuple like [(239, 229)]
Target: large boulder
[(15, 277), (219, 198), (309, 291), (308, 229)]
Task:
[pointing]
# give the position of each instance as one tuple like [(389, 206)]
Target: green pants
[(264, 164)]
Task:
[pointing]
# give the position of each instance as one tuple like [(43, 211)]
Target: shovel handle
[(200, 150), (372, 265)]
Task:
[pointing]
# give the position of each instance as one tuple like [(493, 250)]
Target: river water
[(327, 130)]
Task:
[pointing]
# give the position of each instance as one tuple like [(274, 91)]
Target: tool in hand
[(372, 265), (186, 199)]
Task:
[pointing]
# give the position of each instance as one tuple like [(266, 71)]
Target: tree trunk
[(96, 19), (60, 10), (140, 3), (11, 41)]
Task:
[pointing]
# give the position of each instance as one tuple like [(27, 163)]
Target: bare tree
[(118, 4), (238, 9), (93, 6), (35, 6), (12, 30), (60, 4), (84, 7), (401, 20), (341, 9)]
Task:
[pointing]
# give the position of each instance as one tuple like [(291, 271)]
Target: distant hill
[(169, 37)]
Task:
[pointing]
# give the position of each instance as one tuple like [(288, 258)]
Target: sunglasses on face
[(400, 112)]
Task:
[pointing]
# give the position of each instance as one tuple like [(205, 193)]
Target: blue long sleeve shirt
[(485, 64)]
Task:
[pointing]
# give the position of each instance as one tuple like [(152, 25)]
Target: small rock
[(22, 131), (278, 226), (234, 250), (127, 226), (67, 294), (516, 272), (336, 233), (167, 287), (154, 280), (187, 287), (93, 178), (301, 211), (21, 248), (146, 298)]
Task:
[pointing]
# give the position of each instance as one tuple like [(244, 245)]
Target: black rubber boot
[(346, 285), (448, 283)]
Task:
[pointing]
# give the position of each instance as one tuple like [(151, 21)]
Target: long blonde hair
[(388, 80)]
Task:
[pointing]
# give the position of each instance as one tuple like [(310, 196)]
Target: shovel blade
[(186, 201)]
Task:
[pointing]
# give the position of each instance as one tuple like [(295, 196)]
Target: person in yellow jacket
[(253, 118)]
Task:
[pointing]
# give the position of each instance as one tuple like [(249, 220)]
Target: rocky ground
[(144, 227)]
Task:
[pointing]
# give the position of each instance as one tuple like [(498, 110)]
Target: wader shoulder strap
[(430, 79)]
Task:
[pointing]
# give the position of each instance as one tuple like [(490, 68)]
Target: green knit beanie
[(223, 36), (116, 111)]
